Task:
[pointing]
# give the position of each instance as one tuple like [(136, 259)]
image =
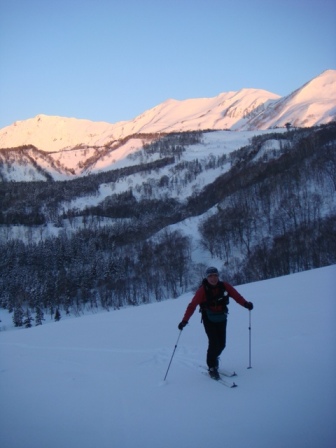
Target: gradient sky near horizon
[(111, 60)]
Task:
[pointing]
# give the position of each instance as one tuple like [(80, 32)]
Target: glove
[(182, 324), (249, 306)]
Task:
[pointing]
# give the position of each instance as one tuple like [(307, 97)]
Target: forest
[(271, 213)]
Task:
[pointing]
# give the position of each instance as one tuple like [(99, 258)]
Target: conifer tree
[(57, 315), (39, 317), (27, 319), (18, 316)]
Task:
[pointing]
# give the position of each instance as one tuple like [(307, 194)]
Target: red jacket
[(200, 297)]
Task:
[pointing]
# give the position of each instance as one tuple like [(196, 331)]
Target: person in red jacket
[(213, 299)]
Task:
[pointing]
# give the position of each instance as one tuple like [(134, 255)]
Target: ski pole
[(250, 327), (172, 355)]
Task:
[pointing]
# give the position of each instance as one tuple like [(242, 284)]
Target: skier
[(213, 299)]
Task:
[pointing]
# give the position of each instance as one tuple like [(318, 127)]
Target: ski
[(224, 372), (227, 373), (221, 381)]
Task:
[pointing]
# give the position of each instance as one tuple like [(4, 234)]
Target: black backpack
[(215, 305)]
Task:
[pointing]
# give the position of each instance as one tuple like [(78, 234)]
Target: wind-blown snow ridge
[(248, 109)]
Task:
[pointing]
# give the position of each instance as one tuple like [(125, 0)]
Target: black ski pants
[(216, 332)]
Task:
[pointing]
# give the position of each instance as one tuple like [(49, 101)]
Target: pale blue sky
[(110, 60)]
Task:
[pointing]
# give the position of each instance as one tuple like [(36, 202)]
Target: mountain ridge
[(60, 148), (50, 133), (247, 109)]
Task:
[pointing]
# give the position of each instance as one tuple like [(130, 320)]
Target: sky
[(107, 60)]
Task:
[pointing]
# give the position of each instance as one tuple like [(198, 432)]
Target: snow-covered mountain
[(312, 104), (248, 109), (59, 133)]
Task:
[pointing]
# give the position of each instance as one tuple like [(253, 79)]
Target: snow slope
[(312, 104), (247, 109), (97, 381)]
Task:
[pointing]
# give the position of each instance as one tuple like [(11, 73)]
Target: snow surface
[(97, 381)]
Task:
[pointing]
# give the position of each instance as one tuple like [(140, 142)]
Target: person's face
[(213, 279)]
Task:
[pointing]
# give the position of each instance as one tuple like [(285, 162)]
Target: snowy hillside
[(62, 165), (214, 144), (247, 109), (97, 381), (312, 104)]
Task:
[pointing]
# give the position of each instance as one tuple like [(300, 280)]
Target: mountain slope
[(312, 104), (56, 133), (247, 109)]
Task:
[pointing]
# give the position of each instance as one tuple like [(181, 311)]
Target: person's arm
[(198, 298), (238, 297)]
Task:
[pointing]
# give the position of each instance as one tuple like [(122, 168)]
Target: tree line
[(90, 271)]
